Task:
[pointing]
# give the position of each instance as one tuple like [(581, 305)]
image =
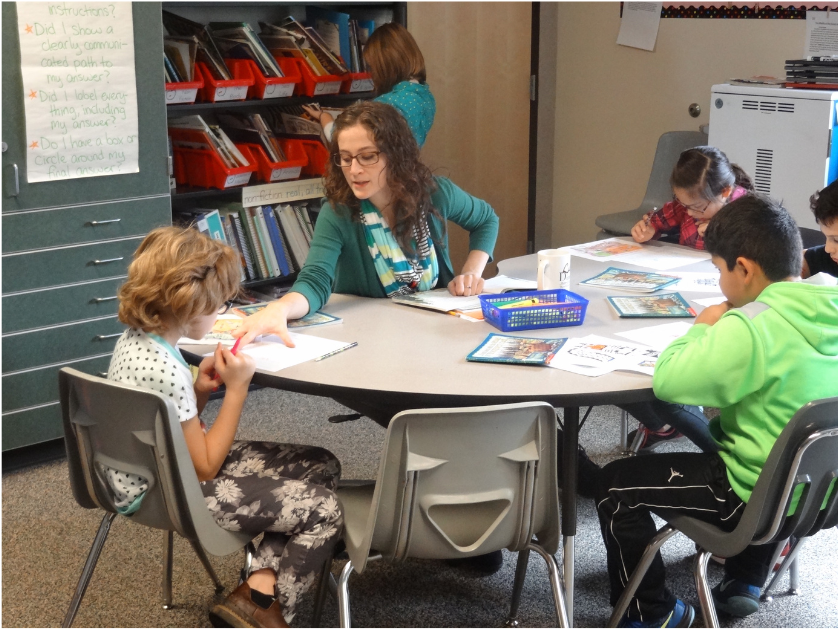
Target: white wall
[(613, 102)]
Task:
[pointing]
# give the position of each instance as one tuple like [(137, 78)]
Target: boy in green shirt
[(759, 357)]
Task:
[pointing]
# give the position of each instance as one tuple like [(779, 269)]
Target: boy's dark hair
[(759, 229), (706, 171), (824, 204)]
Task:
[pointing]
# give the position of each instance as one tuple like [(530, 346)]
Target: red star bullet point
[(28, 29), (34, 145), (33, 94)]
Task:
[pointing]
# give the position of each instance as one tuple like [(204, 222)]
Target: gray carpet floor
[(46, 538)]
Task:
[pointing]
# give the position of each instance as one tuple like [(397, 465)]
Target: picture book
[(221, 332), (308, 321), (596, 355), (607, 248), (668, 305), (438, 299), (635, 281), (516, 350)]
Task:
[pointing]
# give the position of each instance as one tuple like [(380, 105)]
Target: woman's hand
[(466, 285), (235, 370), (642, 230), (273, 319), (318, 114)]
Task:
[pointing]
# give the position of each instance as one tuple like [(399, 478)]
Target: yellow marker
[(519, 304)]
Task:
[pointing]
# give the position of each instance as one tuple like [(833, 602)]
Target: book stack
[(237, 40), (179, 56), (344, 36), (193, 132), (207, 51), (252, 129), (812, 73), (289, 38), (272, 241)]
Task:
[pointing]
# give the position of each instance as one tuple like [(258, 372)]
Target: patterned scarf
[(398, 274)]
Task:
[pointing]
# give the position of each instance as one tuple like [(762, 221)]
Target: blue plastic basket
[(560, 308)]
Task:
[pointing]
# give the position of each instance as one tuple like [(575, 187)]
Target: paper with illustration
[(594, 355)]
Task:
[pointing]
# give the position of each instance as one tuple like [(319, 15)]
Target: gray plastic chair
[(137, 431), (457, 483), (658, 191), (806, 453)]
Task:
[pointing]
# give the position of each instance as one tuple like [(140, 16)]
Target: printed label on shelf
[(283, 192), (329, 87), (362, 85), (238, 92), (236, 180), (278, 90), (175, 97), (281, 174)]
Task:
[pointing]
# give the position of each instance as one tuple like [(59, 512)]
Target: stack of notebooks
[(219, 40), (193, 132), (812, 73), (289, 38), (272, 241), (252, 129)]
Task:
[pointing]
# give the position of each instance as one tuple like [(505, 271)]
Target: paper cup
[(554, 269)]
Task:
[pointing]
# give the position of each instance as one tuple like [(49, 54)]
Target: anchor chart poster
[(79, 89)]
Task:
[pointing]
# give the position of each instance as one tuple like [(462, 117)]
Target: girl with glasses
[(398, 73), (703, 181)]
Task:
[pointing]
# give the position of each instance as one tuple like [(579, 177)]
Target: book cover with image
[(668, 305), (516, 350), (635, 281), (308, 321)]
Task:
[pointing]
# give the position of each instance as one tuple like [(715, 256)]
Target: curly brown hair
[(393, 56), (177, 274), (410, 182)]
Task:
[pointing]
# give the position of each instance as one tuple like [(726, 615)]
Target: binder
[(267, 245), (276, 239)]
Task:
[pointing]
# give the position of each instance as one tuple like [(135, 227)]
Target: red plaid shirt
[(673, 215)]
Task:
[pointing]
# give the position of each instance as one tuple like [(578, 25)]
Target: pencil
[(337, 351)]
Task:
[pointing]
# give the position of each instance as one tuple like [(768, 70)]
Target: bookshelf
[(189, 198)]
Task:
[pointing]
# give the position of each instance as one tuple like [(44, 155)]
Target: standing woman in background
[(398, 72)]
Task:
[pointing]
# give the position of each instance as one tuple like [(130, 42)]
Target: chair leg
[(624, 427), (168, 562), (556, 583), (634, 448), (219, 587), (517, 587), (790, 564), (343, 595), (89, 566), (708, 608), (320, 595), (639, 572)]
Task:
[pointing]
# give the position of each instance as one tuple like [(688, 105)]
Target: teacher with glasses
[(382, 230)]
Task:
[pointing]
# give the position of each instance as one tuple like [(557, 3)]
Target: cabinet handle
[(112, 220), (102, 337), (98, 300), (119, 259), (17, 180)]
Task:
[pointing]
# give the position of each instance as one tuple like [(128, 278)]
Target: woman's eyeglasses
[(344, 160), (225, 307)]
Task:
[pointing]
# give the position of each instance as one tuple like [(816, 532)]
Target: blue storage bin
[(556, 308)]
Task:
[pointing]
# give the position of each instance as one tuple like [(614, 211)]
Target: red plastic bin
[(203, 168), (235, 89), (316, 85), (265, 87), (317, 155), (357, 82), (184, 92), (268, 171)]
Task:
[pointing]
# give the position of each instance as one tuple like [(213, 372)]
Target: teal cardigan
[(416, 104), (339, 260)]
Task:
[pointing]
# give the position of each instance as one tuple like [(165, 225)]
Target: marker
[(520, 304), (233, 352), (337, 351)]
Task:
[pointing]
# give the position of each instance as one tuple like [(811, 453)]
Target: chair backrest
[(463, 482), (137, 431), (670, 146)]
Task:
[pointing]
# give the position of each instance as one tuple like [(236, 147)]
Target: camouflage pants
[(287, 492)]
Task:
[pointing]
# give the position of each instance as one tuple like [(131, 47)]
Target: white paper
[(271, 354), (710, 301), (80, 90), (657, 336), (639, 25), (821, 33), (439, 299), (696, 282), (501, 283), (595, 355), (606, 250)]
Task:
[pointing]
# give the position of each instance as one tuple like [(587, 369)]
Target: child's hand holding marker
[(643, 230)]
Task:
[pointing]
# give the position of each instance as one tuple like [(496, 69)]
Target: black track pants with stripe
[(695, 484)]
